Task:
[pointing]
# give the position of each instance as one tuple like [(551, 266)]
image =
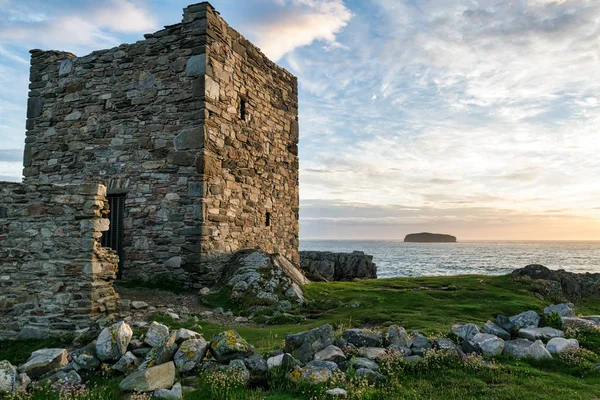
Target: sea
[(398, 259)]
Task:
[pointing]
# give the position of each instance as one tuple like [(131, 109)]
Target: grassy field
[(431, 305)]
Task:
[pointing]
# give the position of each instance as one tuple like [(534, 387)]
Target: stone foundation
[(54, 275)]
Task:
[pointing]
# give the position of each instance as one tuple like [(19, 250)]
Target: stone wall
[(159, 122), (251, 152), (54, 274), (328, 266)]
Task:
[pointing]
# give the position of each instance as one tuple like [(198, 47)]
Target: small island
[(426, 237)]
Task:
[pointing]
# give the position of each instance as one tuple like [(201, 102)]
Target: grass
[(431, 305)]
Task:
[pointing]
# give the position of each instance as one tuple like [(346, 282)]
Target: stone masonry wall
[(250, 155), (157, 121), (54, 274)]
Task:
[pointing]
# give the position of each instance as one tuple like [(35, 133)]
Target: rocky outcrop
[(567, 284), (328, 266), (263, 278), (426, 237)]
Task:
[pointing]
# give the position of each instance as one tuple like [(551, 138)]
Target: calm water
[(489, 258)]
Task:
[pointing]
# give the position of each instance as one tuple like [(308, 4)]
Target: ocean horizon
[(395, 258)]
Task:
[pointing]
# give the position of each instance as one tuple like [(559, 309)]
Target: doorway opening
[(113, 238)]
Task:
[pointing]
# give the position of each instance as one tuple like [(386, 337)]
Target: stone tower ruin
[(192, 135)]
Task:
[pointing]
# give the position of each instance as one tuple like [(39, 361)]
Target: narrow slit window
[(243, 109), (268, 219)]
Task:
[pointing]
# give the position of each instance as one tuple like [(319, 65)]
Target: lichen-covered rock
[(563, 310), (447, 346), (185, 334), (147, 380), (577, 323), (156, 334), (8, 377), (43, 361), (304, 345), (161, 353), (229, 345), (545, 333), (559, 345), (331, 353), (113, 341), (190, 354), (315, 375), (465, 332), (494, 329), (527, 319), (523, 348), (267, 279), (127, 363), (488, 345), (398, 337), (372, 353), (364, 338), (330, 365), (85, 358)]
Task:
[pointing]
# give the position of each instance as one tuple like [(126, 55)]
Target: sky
[(477, 118)]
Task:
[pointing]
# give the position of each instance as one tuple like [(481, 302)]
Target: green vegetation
[(430, 305)]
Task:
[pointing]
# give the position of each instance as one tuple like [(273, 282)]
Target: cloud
[(487, 104), (87, 26), (280, 26)]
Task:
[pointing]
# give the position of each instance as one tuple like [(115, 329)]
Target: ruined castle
[(175, 152)]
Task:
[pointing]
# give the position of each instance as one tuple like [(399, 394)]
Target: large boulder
[(305, 344), (190, 354), (523, 348), (398, 337), (43, 361), (229, 345), (266, 279), (364, 338), (577, 323), (559, 345), (563, 310), (161, 353), (488, 345), (147, 380), (464, 332), (527, 319), (315, 375), (420, 344), (545, 333), (330, 353), (328, 266), (8, 378), (113, 341), (494, 329)]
